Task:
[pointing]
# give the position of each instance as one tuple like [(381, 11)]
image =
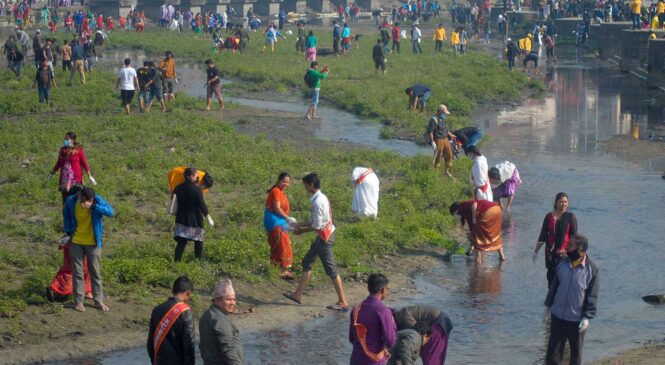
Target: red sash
[(485, 187), (165, 325), (327, 231), (362, 177), (361, 333)]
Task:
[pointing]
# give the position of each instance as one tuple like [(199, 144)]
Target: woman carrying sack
[(191, 208)]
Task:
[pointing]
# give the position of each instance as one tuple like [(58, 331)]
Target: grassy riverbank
[(460, 81), (129, 157)]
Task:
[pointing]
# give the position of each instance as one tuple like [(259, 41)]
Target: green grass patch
[(130, 156)]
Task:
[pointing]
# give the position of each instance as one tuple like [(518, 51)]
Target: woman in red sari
[(275, 220), (484, 218)]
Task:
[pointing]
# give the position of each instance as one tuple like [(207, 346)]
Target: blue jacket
[(99, 208), (573, 294)]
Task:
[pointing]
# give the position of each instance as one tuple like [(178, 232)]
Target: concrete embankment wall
[(633, 51)]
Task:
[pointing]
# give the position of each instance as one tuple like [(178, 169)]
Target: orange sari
[(278, 239), (486, 234)]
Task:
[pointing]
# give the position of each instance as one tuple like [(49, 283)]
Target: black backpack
[(309, 80)]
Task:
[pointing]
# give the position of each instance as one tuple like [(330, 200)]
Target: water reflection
[(582, 106)]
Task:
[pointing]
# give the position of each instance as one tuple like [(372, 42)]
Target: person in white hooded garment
[(366, 192)]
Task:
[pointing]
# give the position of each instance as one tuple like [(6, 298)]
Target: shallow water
[(497, 309)]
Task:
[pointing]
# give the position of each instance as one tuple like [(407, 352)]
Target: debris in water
[(654, 299)]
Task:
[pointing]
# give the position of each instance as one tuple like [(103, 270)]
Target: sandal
[(289, 295), (337, 307)]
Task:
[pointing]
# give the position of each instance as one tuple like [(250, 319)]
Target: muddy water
[(497, 309)]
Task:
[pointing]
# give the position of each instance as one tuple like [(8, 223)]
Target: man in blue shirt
[(78, 61), (418, 96), (572, 299)]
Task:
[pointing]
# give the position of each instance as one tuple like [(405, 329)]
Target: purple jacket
[(381, 331)]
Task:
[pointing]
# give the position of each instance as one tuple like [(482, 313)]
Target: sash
[(362, 177), (327, 231), (165, 325), (361, 333), (486, 186)]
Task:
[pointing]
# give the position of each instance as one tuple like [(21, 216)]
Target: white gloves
[(96, 59), (433, 146), (63, 241), (92, 180), (584, 325), (176, 81), (535, 256), (291, 221), (210, 221)]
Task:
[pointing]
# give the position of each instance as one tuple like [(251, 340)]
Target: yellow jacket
[(454, 38), (661, 7), (636, 6), (525, 44), (654, 22), (439, 34)]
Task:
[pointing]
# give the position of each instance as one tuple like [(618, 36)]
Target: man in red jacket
[(396, 37)]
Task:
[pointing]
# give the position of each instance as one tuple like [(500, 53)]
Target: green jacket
[(317, 77), (220, 339)]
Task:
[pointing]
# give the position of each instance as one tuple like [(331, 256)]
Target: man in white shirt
[(366, 194), (322, 247), (479, 174), (129, 82)]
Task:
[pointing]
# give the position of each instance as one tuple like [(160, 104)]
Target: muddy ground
[(645, 152), (649, 354)]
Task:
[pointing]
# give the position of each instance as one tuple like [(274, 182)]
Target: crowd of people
[(379, 335)]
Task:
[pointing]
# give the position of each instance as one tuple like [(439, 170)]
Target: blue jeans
[(43, 94), (16, 67), (474, 139), (424, 98), (636, 20), (416, 46), (315, 97), (144, 96)]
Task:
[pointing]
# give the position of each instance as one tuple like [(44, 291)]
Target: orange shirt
[(277, 195), (169, 68)]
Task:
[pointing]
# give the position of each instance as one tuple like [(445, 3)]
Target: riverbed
[(497, 308)]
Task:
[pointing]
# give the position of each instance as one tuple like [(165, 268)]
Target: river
[(497, 308)]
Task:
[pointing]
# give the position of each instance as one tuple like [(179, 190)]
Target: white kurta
[(480, 180), (366, 194)]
